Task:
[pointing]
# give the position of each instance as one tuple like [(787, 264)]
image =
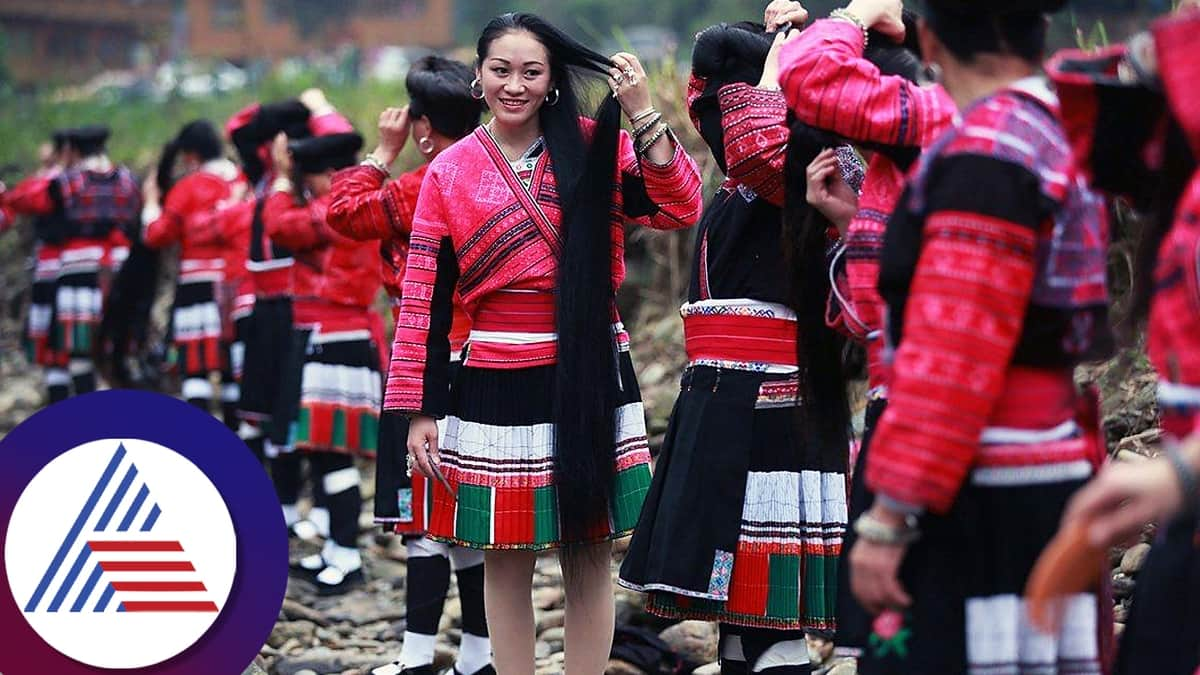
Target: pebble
[(1134, 558)]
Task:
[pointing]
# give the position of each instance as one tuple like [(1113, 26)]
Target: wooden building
[(70, 40)]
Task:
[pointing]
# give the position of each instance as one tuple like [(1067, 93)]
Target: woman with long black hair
[(196, 324), (545, 446), (367, 206), (873, 91), (994, 296), (757, 443)]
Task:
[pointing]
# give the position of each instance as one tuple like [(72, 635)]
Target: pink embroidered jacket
[(479, 230), (829, 85), (1098, 104)]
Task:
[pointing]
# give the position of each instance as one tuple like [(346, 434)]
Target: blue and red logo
[(139, 533)]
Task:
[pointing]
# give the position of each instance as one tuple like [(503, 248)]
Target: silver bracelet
[(642, 115), (872, 529), (844, 14), (373, 162)]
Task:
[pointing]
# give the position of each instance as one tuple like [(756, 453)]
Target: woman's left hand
[(875, 574), (629, 83)]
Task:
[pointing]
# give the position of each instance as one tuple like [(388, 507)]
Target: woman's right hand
[(828, 192), (885, 16), (423, 444), (280, 155), (393, 134)]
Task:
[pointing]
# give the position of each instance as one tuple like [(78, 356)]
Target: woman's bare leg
[(591, 612), (507, 590)]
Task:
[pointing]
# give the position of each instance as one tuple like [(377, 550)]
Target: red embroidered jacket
[(197, 195), (335, 276), (987, 289), (479, 230), (91, 206), (24, 199), (1097, 103), (367, 207), (829, 85)]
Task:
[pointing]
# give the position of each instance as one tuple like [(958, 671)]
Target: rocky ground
[(353, 634)]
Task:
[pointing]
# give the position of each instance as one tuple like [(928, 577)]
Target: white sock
[(320, 517), (342, 557), (474, 653), (418, 649), (291, 514)]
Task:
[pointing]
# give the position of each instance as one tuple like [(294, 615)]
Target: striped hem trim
[(675, 590), (548, 546), (1006, 435), (1001, 476), (744, 620)]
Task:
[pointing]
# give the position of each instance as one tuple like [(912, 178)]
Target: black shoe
[(486, 670), (349, 581), (394, 668), (307, 568)]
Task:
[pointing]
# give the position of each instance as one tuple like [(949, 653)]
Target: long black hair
[(724, 54), (819, 349), (199, 137), (440, 89), (586, 377), (970, 28)]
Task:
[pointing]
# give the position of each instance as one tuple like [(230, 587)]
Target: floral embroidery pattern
[(722, 572), (889, 635)]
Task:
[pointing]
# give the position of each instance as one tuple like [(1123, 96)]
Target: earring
[(425, 145), (476, 90), (555, 92)]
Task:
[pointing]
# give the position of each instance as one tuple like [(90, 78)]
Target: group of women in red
[(916, 186)]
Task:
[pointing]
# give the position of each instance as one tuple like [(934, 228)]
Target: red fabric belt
[(723, 337), (1036, 399), (516, 313)]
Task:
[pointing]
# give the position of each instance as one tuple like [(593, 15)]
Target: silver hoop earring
[(555, 101), (425, 145), (476, 90)]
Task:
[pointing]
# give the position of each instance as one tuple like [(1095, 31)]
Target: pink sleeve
[(1179, 66), (829, 85), (418, 378), (675, 188), (756, 136)]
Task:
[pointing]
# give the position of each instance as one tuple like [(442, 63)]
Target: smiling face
[(515, 76)]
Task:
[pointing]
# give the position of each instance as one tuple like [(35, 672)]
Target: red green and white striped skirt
[(341, 392), (498, 457), (772, 509)]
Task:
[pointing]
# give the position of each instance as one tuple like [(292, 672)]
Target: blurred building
[(70, 40)]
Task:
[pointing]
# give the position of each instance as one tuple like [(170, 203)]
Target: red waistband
[(516, 312), (743, 339), (1036, 399)]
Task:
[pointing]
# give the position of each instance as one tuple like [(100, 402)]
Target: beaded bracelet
[(644, 146), (846, 15), (641, 131)]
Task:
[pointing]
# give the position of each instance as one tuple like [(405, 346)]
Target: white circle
[(191, 513)]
